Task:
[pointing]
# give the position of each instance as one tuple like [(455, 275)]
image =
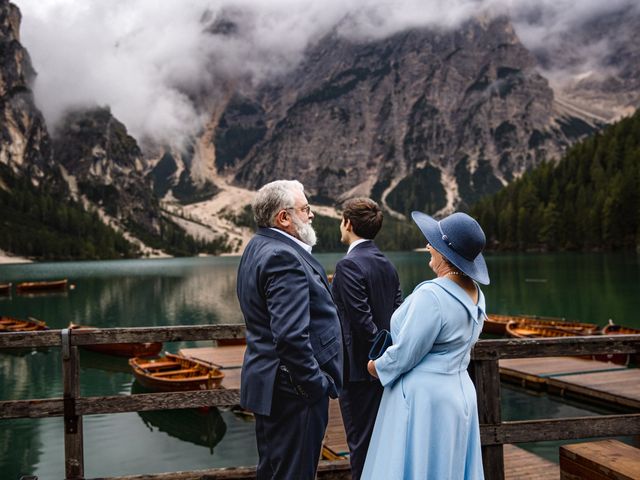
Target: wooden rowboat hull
[(26, 287), (619, 358), (175, 373), (525, 330), (497, 324), (128, 350), (11, 324)]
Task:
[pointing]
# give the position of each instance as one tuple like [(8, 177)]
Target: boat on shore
[(12, 324), (175, 373), (5, 288), (497, 324), (44, 286), (139, 349)]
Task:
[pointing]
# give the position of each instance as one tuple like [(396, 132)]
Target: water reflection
[(204, 428)]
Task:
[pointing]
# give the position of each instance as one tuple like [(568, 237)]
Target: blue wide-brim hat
[(459, 239)]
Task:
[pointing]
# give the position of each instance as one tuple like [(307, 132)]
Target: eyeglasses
[(306, 209)]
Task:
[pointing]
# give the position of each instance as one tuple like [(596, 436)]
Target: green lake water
[(198, 291)]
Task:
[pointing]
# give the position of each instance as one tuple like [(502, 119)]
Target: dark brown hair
[(365, 217)]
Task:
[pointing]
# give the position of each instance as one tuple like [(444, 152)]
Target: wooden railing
[(484, 369)]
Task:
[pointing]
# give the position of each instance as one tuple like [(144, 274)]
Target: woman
[(427, 424)]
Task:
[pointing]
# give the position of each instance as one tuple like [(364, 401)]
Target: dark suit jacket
[(291, 320), (366, 290)]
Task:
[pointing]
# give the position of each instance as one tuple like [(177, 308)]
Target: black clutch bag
[(381, 342)]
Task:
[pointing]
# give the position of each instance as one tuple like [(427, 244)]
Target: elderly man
[(293, 361)]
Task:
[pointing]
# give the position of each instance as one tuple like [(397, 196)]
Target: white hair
[(272, 198)]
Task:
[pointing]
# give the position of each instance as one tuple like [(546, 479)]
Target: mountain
[(425, 119), (590, 200), (25, 145)]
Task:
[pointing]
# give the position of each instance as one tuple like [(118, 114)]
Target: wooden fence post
[(73, 441), (486, 377)]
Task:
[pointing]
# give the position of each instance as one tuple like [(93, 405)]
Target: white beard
[(305, 231)]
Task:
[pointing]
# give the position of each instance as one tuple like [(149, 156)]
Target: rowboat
[(46, 286), (497, 324), (527, 330), (11, 324), (5, 288), (148, 349), (614, 329), (619, 358), (174, 372)]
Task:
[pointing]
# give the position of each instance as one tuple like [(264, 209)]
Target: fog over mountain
[(159, 68)]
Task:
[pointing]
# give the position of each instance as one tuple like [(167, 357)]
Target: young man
[(366, 290), (293, 361)]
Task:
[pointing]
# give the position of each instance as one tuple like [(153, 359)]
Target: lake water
[(197, 291)]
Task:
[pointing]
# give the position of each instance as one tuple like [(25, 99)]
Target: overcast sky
[(138, 56)]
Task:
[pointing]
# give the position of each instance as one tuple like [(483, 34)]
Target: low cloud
[(157, 64)]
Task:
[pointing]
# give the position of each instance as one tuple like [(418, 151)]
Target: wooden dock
[(519, 464), (600, 383)]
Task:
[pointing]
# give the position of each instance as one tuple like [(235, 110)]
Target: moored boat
[(526, 330), (173, 372), (5, 288), (147, 349), (44, 286), (619, 358), (11, 324), (497, 324)]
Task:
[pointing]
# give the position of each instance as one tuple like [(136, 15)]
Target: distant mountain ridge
[(421, 120)]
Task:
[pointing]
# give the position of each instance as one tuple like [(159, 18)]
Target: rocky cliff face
[(24, 140), (422, 120), (108, 168)]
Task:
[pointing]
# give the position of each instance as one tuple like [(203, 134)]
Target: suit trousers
[(359, 402), (290, 438)]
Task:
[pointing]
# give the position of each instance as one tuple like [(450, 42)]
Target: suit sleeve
[(398, 299), (287, 294), (420, 328), (350, 285)]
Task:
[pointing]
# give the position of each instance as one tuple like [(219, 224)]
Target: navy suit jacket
[(291, 320), (366, 290)]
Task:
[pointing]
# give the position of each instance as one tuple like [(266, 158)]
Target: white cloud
[(141, 57)]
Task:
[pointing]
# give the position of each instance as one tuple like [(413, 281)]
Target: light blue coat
[(427, 425)]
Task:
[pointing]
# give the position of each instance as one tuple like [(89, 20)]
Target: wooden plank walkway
[(597, 382), (519, 464)]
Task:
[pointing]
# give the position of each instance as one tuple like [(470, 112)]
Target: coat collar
[(476, 311), (360, 243), (267, 232)]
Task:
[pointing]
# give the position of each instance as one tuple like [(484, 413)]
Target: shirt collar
[(308, 248), (355, 243)]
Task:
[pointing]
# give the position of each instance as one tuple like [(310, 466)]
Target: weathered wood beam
[(552, 347), (54, 407), (327, 470), (522, 431), (486, 376), (51, 338)]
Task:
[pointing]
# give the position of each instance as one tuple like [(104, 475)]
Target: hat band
[(446, 240)]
